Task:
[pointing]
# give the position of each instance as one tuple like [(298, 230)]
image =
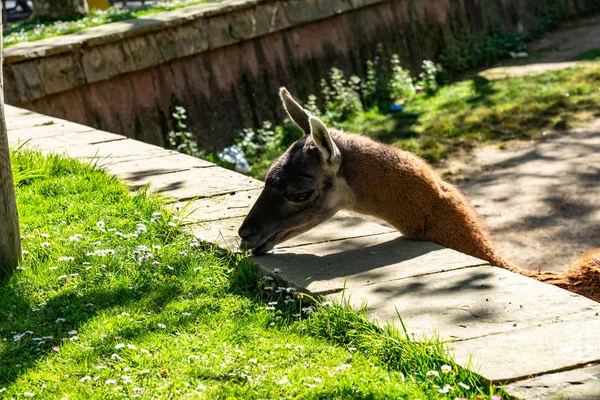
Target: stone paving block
[(198, 183), (61, 73), (13, 124), (511, 356), (341, 226), (144, 51), (28, 81), (121, 150), (231, 205), (462, 303), (181, 42), (354, 263), (167, 163), (66, 140), (102, 62), (18, 113), (579, 384)]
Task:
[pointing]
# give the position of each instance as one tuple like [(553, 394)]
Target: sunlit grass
[(114, 300), (477, 111), (37, 29)]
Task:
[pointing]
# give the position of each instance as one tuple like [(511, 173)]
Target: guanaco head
[(302, 188)]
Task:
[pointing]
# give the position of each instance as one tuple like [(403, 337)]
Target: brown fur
[(403, 190), (339, 171)]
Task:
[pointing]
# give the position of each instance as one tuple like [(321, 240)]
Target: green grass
[(477, 111), (37, 29), (113, 300)]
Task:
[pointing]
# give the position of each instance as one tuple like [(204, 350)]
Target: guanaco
[(327, 171)]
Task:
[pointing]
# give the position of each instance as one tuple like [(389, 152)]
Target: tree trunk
[(10, 237), (56, 9)]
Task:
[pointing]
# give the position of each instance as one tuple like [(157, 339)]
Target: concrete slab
[(197, 183), (341, 226), (120, 150), (169, 162), (31, 131), (362, 262), (580, 384), (460, 303), (232, 205), (63, 139), (540, 350)]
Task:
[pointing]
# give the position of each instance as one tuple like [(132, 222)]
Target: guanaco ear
[(327, 147), (294, 110)]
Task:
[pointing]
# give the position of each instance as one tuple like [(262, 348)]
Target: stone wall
[(224, 61)]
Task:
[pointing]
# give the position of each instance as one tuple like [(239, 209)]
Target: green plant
[(469, 52), (428, 78), (342, 97), (401, 85), (181, 139)]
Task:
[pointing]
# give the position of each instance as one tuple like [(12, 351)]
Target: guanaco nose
[(245, 232)]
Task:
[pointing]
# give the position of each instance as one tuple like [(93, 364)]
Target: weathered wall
[(225, 61)]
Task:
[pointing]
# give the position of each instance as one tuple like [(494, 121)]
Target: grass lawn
[(113, 300), (37, 29), (478, 111)]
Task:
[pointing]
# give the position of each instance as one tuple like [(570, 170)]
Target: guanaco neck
[(388, 183)]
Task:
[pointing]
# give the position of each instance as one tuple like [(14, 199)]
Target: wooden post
[(10, 237)]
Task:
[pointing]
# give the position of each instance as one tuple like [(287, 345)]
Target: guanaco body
[(328, 170)]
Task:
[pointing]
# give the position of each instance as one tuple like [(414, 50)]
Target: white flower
[(110, 382), (116, 357), (433, 373), (144, 372), (126, 379), (85, 378), (194, 243), (101, 225), (60, 320), (270, 308), (284, 380), (464, 386), (66, 258), (276, 270), (141, 228), (63, 277), (120, 346), (145, 352), (20, 268), (446, 389), (131, 347), (28, 394), (76, 238), (161, 326), (45, 244), (44, 235), (343, 367), (446, 369)]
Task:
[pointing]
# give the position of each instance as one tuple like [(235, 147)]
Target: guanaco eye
[(300, 197)]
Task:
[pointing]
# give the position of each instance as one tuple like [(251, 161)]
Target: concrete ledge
[(45, 67)]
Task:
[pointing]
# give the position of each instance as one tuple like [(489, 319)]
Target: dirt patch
[(555, 50), (540, 200)]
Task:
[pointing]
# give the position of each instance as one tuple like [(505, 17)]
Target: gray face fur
[(302, 188)]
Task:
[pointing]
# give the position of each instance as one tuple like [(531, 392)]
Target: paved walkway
[(542, 339)]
